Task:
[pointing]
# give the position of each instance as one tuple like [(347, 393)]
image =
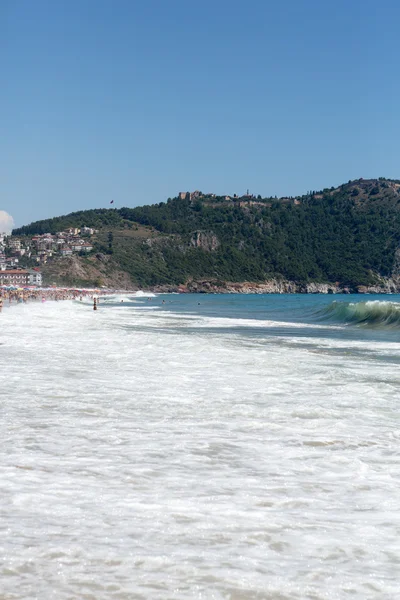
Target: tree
[(110, 242)]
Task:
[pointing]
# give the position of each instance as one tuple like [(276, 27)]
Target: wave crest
[(374, 312)]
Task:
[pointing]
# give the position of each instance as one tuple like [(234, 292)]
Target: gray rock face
[(206, 240), (277, 286), (271, 286)]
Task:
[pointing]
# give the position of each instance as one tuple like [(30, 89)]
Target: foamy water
[(163, 454)]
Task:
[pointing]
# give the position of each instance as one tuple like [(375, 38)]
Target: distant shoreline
[(275, 286), (205, 287)]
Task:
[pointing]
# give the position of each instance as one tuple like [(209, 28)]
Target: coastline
[(272, 286), (278, 286)]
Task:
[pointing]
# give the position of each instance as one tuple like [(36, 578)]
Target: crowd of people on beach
[(10, 296), (16, 296)]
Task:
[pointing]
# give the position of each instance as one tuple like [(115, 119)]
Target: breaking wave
[(374, 313), (126, 297)]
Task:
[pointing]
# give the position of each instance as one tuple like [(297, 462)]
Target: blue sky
[(136, 100)]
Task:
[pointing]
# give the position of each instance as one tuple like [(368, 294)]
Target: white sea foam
[(142, 458), (258, 323), (144, 294)]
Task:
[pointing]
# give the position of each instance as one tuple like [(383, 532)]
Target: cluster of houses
[(41, 247), (38, 249)]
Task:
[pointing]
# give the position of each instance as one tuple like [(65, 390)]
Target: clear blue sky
[(136, 100)]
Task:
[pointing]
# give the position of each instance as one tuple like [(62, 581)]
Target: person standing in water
[(94, 303)]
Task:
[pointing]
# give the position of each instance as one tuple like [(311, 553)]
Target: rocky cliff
[(278, 286)]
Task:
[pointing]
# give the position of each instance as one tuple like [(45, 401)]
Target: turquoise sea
[(201, 446)]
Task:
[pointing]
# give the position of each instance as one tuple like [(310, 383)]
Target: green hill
[(348, 234)]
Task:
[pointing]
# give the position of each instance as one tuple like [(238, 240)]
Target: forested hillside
[(348, 234)]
